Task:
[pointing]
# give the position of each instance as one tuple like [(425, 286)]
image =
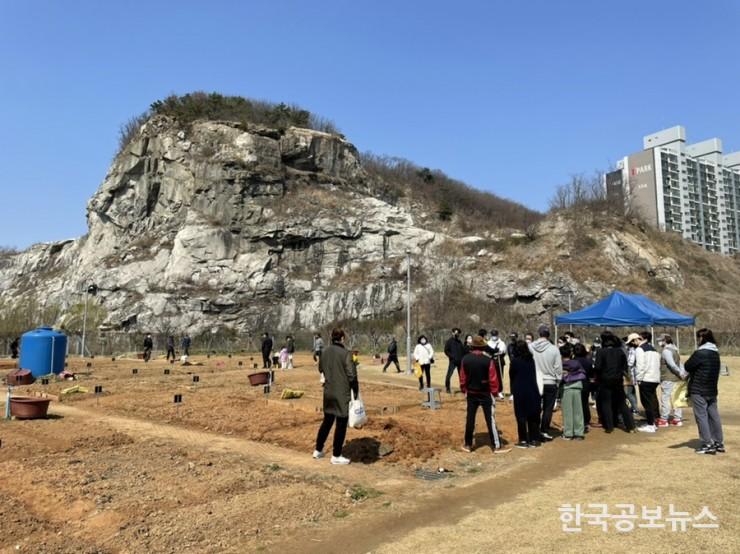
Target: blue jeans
[(629, 392)]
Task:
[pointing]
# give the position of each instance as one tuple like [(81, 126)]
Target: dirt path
[(258, 451), (519, 505)]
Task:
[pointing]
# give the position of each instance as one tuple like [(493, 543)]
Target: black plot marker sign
[(166, 371), (240, 364), (45, 381), (178, 401), (98, 392), (196, 379), (135, 371)]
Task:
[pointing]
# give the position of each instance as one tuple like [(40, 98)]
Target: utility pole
[(570, 308), (408, 312)]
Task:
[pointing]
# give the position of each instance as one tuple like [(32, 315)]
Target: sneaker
[(522, 445), (676, 422), (566, 438), (467, 448), (317, 454), (661, 422), (546, 437), (646, 428), (339, 460), (579, 438), (706, 449), (719, 447), (501, 450), (500, 396), (534, 444)]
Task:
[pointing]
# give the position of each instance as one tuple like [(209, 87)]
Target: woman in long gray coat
[(340, 377)]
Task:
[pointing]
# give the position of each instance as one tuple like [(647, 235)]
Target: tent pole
[(556, 333), (678, 340), (652, 333), (695, 345)]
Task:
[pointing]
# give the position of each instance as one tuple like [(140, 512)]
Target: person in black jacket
[(15, 348), (392, 355), (454, 351), (580, 354), (527, 397), (703, 369), (170, 347), (610, 367), (479, 382), (148, 345), (266, 351)]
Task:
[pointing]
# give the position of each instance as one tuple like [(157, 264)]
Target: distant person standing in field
[(670, 374), (15, 347), (647, 371), (454, 351), (527, 398), (630, 381), (290, 344), (283, 357), (549, 373), (170, 347), (479, 383), (703, 368), (610, 367), (148, 346), (266, 348), (511, 347), (467, 346), (424, 356), (339, 377), (318, 347), (573, 379), (499, 355), (185, 345), (580, 355), (392, 355)]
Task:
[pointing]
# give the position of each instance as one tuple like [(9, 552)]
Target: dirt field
[(230, 470)]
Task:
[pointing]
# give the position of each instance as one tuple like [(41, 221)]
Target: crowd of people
[(544, 375)]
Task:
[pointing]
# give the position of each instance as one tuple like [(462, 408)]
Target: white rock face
[(218, 225)]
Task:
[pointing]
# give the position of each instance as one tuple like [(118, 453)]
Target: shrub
[(444, 196)]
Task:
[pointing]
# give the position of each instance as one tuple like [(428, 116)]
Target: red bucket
[(23, 407), (261, 378)]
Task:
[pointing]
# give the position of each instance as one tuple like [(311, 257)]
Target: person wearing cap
[(549, 374), (670, 374), (647, 373), (479, 382), (630, 381), (454, 351), (499, 355)]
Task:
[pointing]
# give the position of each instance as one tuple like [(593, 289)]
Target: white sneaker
[(647, 428), (500, 396), (317, 454), (339, 460)]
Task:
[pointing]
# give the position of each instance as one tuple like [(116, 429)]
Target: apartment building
[(692, 189)]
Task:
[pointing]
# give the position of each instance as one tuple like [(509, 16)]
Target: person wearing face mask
[(499, 356), (424, 356), (454, 351), (670, 374), (528, 338)]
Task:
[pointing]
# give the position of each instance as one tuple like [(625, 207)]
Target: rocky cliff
[(219, 224)]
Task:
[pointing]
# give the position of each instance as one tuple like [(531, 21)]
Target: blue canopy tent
[(620, 309)]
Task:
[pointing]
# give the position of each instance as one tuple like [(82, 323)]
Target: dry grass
[(655, 470)]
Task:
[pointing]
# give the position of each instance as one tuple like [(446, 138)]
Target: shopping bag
[(357, 414), (417, 370), (680, 395)]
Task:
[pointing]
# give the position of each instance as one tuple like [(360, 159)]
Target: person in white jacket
[(424, 356), (647, 373)]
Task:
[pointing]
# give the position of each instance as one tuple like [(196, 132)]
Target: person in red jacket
[(480, 384)]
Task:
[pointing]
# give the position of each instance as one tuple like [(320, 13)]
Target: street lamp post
[(408, 312)]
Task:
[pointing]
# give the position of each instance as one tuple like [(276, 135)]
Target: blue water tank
[(43, 351)]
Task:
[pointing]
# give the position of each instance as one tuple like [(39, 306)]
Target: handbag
[(417, 370), (680, 395), (357, 414)]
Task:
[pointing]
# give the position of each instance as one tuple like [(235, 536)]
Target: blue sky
[(511, 97)]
